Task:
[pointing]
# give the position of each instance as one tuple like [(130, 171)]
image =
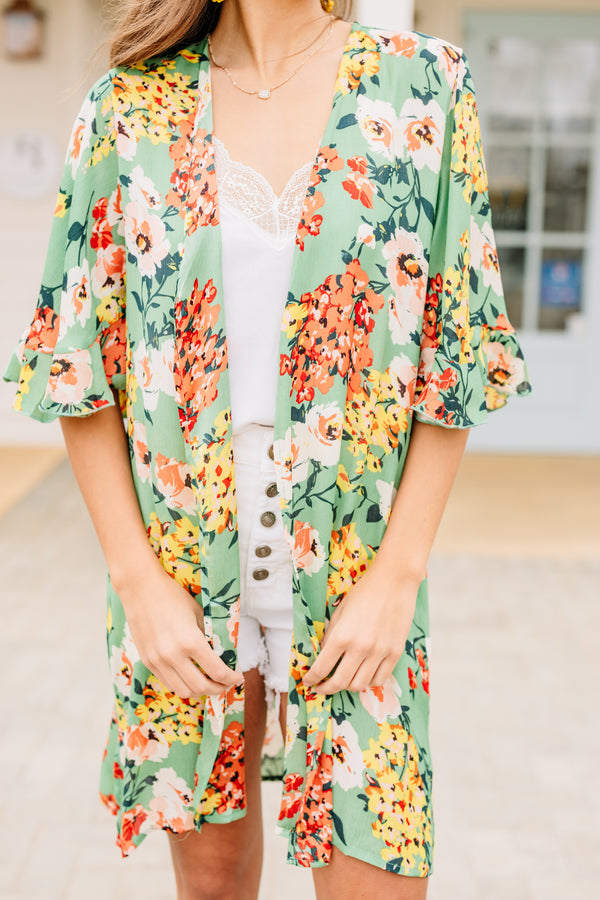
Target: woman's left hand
[(366, 634)]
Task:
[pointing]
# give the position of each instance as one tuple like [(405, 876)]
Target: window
[(538, 80)]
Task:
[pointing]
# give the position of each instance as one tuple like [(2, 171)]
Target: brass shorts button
[(267, 519), (271, 453), (271, 490), (260, 574), (263, 551)]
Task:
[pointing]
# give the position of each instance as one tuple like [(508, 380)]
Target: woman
[(322, 184)]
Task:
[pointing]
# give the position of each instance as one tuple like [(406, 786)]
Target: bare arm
[(166, 622), (368, 630)]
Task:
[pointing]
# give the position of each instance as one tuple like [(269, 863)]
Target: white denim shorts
[(266, 617)]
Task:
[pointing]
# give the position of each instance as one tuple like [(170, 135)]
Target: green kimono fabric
[(395, 311)]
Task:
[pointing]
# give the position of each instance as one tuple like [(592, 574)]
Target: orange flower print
[(321, 432), (348, 764), (76, 299), (357, 184), (380, 126), (310, 222), (407, 269), (449, 59), (114, 345), (145, 235), (200, 354), (292, 796), (108, 273), (102, 235), (484, 256), (383, 702), (308, 552), (170, 805), (141, 453), (226, 788), (366, 234), (314, 827), (327, 161), (505, 371), (81, 134), (70, 377), (142, 189), (194, 178), (131, 826), (153, 367), (291, 456), (174, 480), (398, 44), (432, 322), (325, 338), (145, 743), (42, 333), (423, 127)]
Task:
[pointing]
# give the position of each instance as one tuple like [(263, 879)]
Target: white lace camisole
[(257, 238)]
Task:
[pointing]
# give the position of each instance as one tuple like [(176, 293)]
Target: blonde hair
[(146, 28)]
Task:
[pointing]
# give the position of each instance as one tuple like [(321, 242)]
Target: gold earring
[(327, 5)]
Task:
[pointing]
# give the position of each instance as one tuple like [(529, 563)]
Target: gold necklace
[(265, 93)]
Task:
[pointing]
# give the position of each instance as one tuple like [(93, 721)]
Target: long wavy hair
[(145, 28)]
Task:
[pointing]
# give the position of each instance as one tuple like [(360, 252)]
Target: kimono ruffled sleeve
[(470, 359), (73, 351)]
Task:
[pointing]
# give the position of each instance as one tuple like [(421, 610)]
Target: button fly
[(263, 551), (271, 490), (260, 574), (267, 519)]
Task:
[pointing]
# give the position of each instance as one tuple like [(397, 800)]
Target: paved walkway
[(515, 732)]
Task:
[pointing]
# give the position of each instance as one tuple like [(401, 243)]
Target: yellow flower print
[(362, 58), (215, 484), (62, 205), (171, 716), (467, 154), (153, 103), (295, 314), (109, 310), (343, 480), (403, 821), (348, 559), (27, 374)]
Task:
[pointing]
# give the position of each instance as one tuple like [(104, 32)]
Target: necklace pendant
[(264, 94)]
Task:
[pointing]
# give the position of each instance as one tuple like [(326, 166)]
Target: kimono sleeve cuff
[(461, 393), (51, 385)]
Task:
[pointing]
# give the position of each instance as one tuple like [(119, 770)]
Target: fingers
[(212, 664), (326, 659), (173, 682), (198, 681), (364, 675), (384, 671), (342, 677)]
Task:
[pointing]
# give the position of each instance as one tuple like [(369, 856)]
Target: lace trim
[(249, 192)]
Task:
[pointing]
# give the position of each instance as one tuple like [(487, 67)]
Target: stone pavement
[(515, 732)]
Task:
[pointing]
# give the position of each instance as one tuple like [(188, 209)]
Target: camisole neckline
[(251, 195)]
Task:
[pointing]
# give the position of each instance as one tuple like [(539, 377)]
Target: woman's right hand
[(166, 625)]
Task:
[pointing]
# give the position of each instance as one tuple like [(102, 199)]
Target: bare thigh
[(225, 861), (347, 878)]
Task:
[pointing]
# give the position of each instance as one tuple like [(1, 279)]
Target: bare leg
[(282, 712), (346, 878), (224, 862)]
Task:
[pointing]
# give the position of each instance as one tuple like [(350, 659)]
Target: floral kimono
[(394, 312)]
